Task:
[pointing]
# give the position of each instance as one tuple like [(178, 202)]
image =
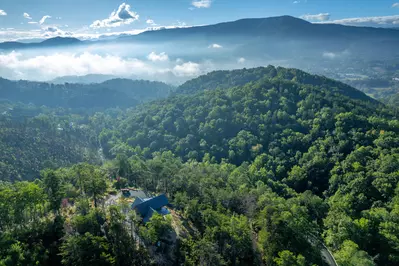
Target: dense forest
[(109, 94), (264, 166), (393, 100), (34, 138)]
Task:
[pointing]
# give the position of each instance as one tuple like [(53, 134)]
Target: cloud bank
[(361, 21), (54, 31), (317, 17), (117, 18), (158, 57), (188, 69), (62, 64), (17, 65)]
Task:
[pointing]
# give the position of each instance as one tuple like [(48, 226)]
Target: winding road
[(328, 257)]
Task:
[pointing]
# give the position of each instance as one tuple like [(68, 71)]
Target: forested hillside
[(46, 125), (34, 138), (272, 113), (393, 100), (307, 132), (265, 166), (112, 93), (229, 79)]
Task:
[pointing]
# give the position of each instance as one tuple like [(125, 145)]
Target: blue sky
[(76, 16)]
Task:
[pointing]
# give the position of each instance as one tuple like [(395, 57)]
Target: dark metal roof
[(155, 203), (136, 202), (150, 212)]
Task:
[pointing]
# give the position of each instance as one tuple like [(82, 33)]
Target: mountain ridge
[(51, 42), (281, 97), (278, 26), (84, 79), (259, 73)]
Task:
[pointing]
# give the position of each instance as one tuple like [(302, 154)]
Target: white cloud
[(383, 20), (150, 22), (202, 3), (158, 57), (241, 60), (117, 18), (317, 17), (396, 5), (32, 22), (27, 16), (43, 19), (181, 23), (51, 29), (62, 64), (188, 69), (12, 35), (215, 46), (3, 13), (54, 31), (24, 65), (329, 55)]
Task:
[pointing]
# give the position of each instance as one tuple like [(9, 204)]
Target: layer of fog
[(168, 62)]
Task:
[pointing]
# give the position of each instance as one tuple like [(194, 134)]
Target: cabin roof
[(144, 206)]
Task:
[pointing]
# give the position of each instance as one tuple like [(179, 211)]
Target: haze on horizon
[(34, 21)]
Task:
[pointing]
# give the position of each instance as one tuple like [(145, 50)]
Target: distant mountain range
[(256, 33), (52, 42), (86, 79), (328, 49), (284, 26)]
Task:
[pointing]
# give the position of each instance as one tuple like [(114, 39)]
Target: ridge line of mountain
[(248, 26)]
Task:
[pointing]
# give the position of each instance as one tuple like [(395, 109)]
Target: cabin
[(146, 207)]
